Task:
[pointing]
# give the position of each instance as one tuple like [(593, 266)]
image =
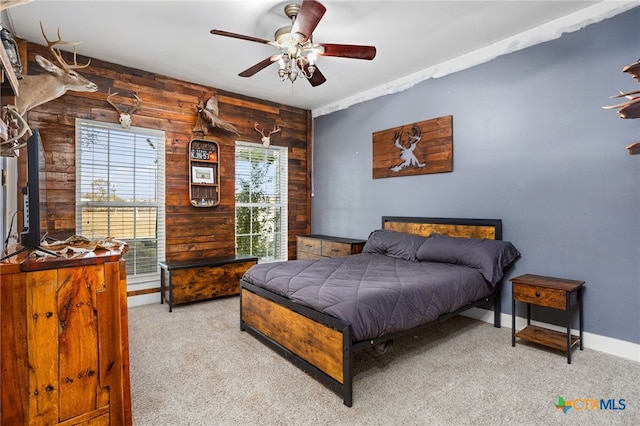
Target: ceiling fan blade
[(240, 36), (317, 78), (259, 66), (308, 18), (349, 51)]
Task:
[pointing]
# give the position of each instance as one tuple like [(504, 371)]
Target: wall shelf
[(204, 173), (8, 79)]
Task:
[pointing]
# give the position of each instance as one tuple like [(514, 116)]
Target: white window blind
[(261, 201), (120, 190)]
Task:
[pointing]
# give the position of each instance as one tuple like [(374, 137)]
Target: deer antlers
[(266, 140), (125, 116), (56, 51)]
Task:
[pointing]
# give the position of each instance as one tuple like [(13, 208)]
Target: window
[(261, 201), (120, 191)]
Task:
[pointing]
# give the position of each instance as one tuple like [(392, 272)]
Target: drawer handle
[(537, 294)]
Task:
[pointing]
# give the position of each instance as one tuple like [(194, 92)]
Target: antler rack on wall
[(631, 107)]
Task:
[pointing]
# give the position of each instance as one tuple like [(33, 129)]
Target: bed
[(412, 272)]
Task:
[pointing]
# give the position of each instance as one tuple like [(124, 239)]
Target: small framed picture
[(202, 175)]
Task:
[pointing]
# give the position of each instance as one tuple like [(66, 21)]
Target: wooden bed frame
[(320, 344)]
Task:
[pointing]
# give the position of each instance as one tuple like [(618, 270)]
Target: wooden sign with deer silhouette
[(414, 149)]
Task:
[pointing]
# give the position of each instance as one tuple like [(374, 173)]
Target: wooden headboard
[(470, 228)]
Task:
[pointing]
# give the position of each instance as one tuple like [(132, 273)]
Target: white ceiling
[(415, 40)]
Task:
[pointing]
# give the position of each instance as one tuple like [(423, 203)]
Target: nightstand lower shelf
[(544, 336)]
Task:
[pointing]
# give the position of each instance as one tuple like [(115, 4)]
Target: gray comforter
[(375, 293)]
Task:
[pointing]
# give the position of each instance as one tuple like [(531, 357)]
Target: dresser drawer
[(302, 255), (333, 249), (310, 246), (317, 246), (550, 297)]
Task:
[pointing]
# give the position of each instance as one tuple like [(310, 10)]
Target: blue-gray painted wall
[(533, 147)]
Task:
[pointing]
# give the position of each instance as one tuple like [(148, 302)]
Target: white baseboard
[(617, 347), (609, 345), (143, 299)]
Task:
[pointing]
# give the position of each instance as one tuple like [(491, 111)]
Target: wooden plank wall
[(170, 105)]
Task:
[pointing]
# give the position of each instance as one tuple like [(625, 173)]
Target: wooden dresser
[(65, 352), (318, 246)]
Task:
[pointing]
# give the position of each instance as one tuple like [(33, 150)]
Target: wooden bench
[(183, 281)]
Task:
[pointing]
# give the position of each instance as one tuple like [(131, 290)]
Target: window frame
[(283, 205), (159, 204)]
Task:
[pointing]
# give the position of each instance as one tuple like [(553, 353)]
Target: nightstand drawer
[(310, 245), (542, 296), (333, 249)]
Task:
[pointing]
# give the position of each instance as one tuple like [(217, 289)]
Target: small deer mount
[(125, 115), (266, 140)]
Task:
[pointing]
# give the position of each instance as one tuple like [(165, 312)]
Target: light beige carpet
[(195, 367)]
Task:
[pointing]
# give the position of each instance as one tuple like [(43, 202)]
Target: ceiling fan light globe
[(293, 75), (312, 57)]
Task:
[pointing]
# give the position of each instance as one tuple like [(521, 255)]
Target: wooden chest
[(184, 281), (318, 246)]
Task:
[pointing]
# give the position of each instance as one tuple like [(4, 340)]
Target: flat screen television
[(34, 195)]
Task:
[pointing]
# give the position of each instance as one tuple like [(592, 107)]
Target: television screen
[(34, 195)]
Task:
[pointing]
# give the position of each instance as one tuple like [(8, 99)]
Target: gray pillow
[(490, 257), (394, 244)]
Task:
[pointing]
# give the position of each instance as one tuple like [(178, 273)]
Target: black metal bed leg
[(497, 312), (347, 370)]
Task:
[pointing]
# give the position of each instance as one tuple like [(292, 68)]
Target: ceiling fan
[(298, 52)]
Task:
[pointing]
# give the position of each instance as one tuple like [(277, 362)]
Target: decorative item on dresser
[(557, 293), (318, 312), (65, 352), (183, 281), (317, 246)]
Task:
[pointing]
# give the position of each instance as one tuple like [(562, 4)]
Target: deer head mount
[(125, 116), (266, 140), (36, 90)]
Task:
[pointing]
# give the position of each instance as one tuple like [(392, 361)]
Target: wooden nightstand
[(317, 246), (552, 292)]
